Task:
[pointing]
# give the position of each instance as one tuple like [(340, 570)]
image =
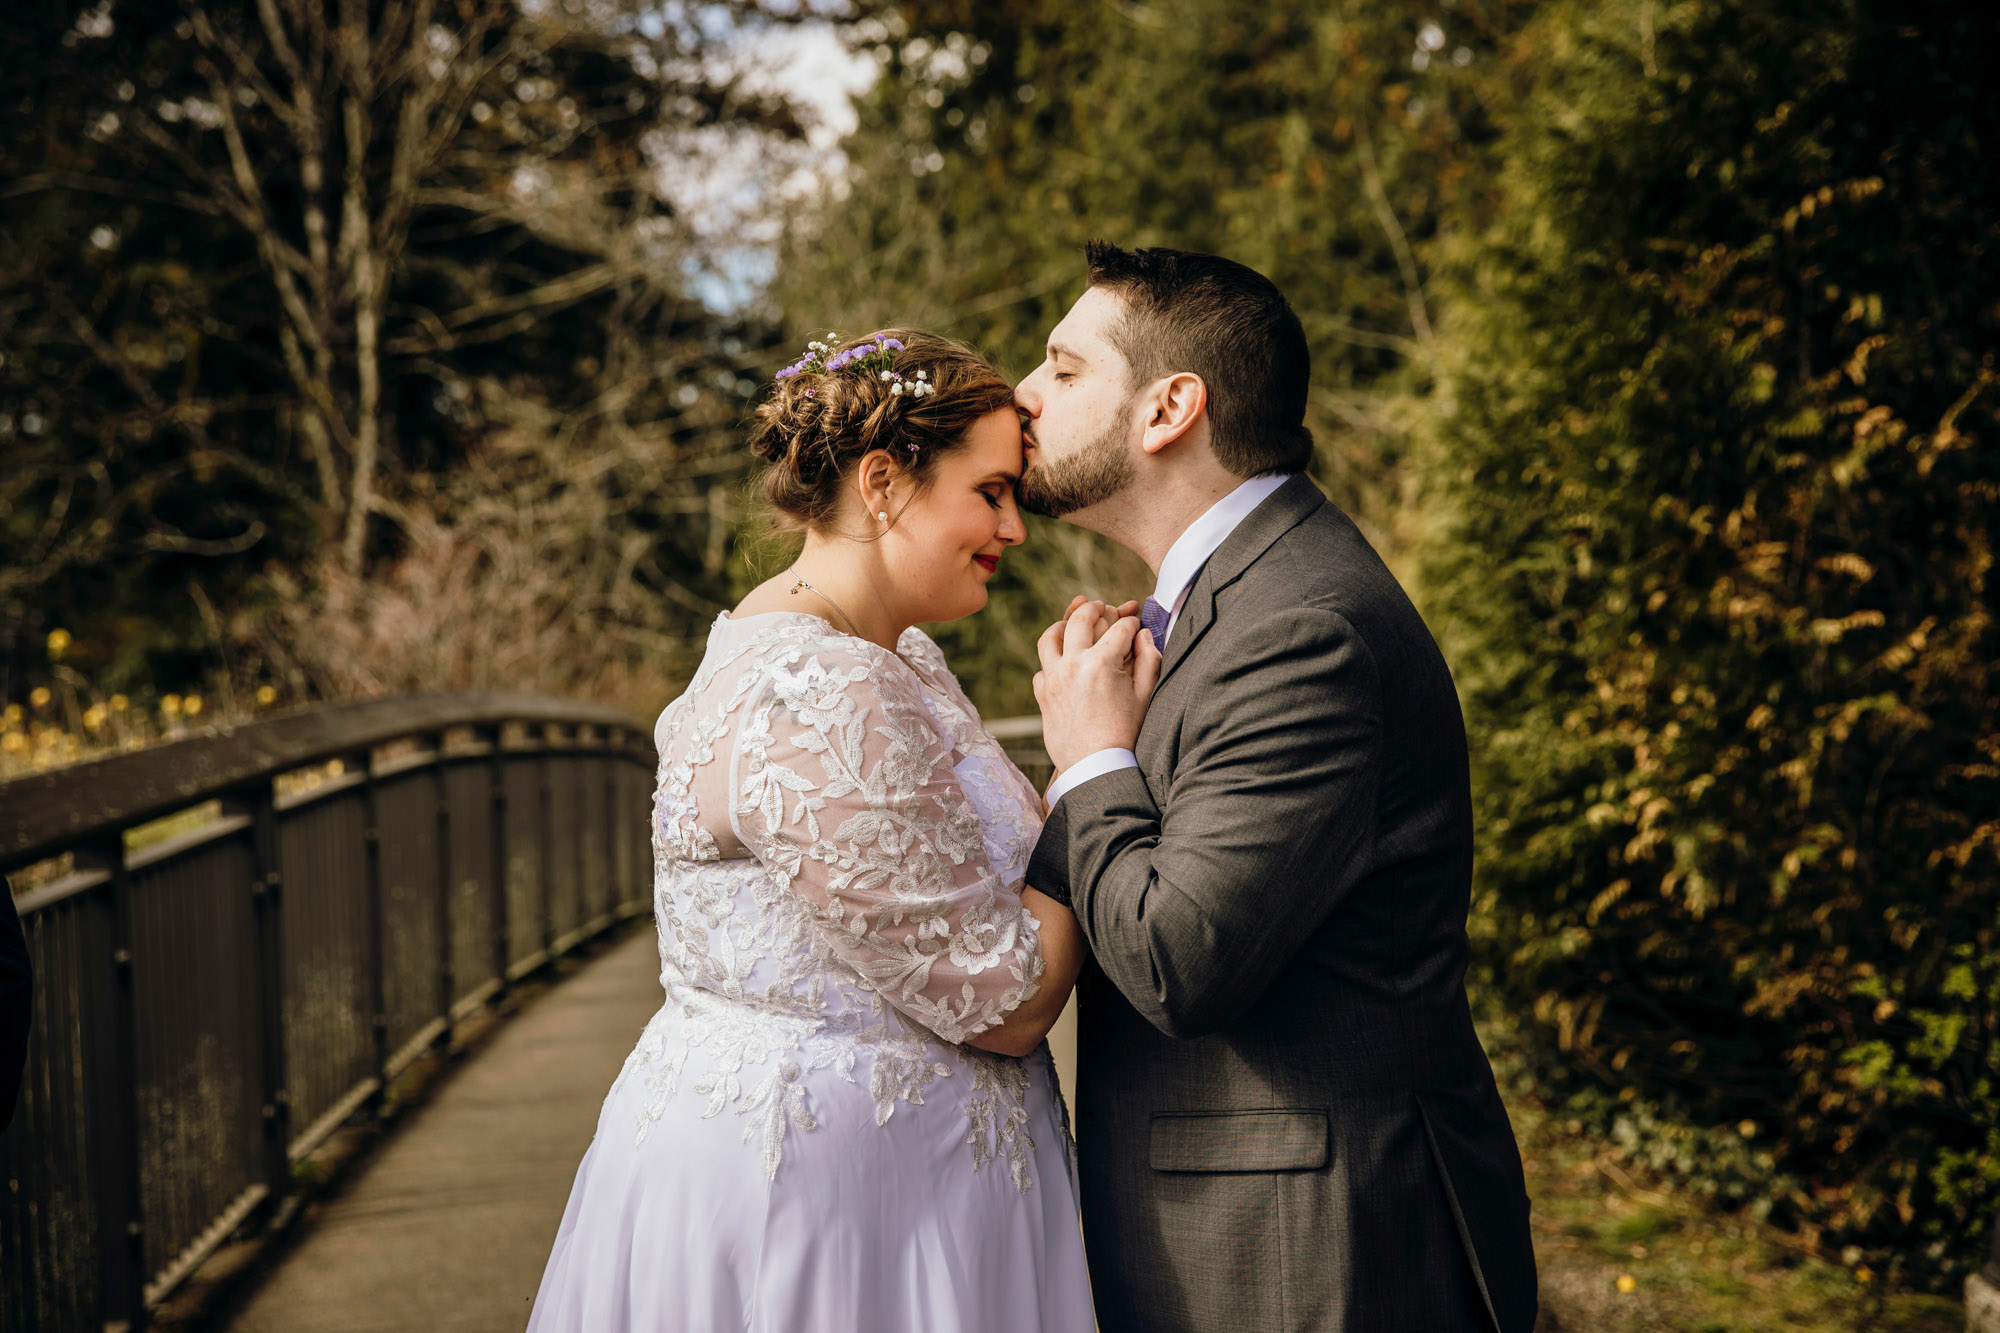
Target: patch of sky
[(733, 186)]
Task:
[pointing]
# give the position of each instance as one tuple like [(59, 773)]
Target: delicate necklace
[(801, 583)]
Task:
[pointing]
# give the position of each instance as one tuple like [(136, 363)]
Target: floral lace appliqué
[(857, 901)]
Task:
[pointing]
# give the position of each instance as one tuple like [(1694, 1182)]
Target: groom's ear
[(1174, 407)]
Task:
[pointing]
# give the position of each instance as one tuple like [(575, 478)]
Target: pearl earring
[(882, 514)]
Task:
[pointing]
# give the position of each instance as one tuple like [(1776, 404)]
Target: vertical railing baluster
[(446, 984), (497, 780), (114, 1083), (548, 818), (617, 848), (378, 942), (641, 836), (614, 891), (579, 795), (640, 883), (267, 891)]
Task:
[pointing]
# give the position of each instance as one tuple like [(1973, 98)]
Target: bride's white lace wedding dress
[(798, 1142)]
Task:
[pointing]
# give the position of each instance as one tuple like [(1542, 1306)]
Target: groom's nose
[(1028, 396)]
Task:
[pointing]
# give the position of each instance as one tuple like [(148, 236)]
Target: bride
[(844, 1116)]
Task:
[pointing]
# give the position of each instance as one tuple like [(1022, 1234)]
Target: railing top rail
[(46, 813), (1015, 728)]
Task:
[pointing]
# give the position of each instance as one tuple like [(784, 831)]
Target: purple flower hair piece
[(876, 359)]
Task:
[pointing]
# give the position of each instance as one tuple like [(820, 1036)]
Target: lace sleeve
[(845, 788)]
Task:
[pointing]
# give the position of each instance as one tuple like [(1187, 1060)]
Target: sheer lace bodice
[(839, 848)]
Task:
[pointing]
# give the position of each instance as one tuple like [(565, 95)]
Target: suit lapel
[(1282, 510)]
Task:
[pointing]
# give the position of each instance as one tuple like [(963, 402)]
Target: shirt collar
[(1193, 547)]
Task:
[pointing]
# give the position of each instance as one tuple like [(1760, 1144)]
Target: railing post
[(497, 779), (447, 986), (267, 889), (614, 891), (548, 822), (378, 947), (579, 795), (114, 1083)]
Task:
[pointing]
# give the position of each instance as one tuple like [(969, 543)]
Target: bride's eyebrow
[(1011, 478)]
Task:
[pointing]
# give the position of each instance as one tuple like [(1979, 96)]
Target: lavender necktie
[(1154, 617)]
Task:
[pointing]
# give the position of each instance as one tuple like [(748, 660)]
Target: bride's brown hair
[(817, 426)]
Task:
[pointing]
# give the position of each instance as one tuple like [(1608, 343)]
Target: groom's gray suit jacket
[(1284, 1119)]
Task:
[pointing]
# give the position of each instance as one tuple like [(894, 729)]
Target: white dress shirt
[(1185, 559)]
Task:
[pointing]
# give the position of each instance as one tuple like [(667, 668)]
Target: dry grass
[(524, 569)]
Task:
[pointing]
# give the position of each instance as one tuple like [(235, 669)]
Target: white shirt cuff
[(1088, 767)]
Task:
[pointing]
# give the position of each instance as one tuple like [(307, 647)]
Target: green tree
[(1325, 147), (1718, 479)]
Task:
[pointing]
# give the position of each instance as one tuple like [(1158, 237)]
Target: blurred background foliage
[(359, 355), (1655, 348), (1716, 500)]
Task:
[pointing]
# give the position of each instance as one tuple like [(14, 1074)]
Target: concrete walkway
[(448, 1227)]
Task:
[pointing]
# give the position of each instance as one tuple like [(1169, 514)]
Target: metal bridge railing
[(209, 1007)]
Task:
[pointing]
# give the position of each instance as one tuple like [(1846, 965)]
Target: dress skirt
[(864, 1227)]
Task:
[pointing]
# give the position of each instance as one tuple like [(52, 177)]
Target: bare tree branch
[(166, 538), (1406, 262)]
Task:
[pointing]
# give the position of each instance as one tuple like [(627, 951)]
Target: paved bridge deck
[(448, 1226)]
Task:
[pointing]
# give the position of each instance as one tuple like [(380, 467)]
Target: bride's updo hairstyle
[(839, 403)]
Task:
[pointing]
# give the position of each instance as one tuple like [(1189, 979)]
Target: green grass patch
[(1617, 1254)]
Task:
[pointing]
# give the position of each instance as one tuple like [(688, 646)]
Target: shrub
[(1721, 474)]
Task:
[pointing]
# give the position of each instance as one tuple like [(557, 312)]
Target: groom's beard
[(1097, 472)]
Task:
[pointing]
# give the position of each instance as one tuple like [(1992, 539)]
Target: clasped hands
[(1098, 672)]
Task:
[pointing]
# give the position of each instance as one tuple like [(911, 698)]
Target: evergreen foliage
[(1718, 476), (1303, 140)]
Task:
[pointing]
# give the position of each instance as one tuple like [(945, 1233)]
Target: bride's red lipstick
[(992, 562)]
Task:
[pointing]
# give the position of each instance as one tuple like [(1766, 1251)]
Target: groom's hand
[(1095, 682)]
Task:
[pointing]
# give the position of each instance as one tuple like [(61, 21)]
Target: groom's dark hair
[(1228, 324)]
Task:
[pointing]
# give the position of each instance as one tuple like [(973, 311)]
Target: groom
[(1284, 1119)]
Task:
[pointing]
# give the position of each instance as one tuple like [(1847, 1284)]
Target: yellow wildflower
[(59, 642), (119, 703), (1627, 1283), (40, 696), (171, 705), (267, 695), (191, 705)]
